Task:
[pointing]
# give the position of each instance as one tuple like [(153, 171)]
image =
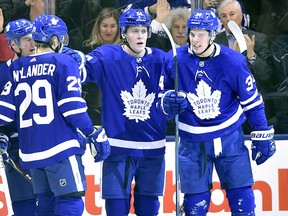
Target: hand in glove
[(4, 141), (173, 104), (78, 56), (99, 145), (263, 145)]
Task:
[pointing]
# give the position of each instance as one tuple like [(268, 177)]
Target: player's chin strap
[(128, 45), (58, 48)]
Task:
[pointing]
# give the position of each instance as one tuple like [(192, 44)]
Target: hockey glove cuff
[(4, 141), (173, 104), (263, 145), (99, 144), (78, 56)]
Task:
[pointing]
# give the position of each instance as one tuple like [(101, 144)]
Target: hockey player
[(220, 94), (44, 97), (128, 78), (19, 38)]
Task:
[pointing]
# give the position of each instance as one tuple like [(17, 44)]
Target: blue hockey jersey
[(129, 90), (43, 96), (220, 91), (11, 129)]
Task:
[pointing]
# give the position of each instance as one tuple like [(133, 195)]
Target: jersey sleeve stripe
[(249, 100), (8, 105), (70, 99), (257, 103), (5, 118), (75, 111)]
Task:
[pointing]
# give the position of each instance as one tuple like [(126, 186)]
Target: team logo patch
[(137, 104), (205, 103), (62, 182)]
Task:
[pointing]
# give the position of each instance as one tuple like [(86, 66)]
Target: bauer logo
[(262, 135)]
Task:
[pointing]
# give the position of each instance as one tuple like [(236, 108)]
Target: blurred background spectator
[(105, 31)]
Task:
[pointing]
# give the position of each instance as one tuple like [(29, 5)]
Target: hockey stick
[(18, 169), (176, 120), (236, 31)]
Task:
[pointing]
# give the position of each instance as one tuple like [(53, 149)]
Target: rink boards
[(271, 186)]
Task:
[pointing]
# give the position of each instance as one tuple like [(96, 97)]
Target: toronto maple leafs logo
[(205, 103), (137, 104)]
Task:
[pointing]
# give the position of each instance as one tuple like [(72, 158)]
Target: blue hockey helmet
[(17, 29), (45, 26), (133, 17), (203, 19)]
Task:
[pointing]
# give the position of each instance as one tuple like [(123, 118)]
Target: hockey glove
[(4, 141), (78, 56), (99, 145), (263, 145), (173, 104)]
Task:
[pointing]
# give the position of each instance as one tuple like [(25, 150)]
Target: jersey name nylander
[(46, 91), (129, 87), (218, 93)]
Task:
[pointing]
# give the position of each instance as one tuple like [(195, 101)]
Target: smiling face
[(108, 30), (178, 31), (200, 40), (26, 45), (136, 37)]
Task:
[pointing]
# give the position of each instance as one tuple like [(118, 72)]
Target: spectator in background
[(258, 54), (80, 16), (213, 4), (105, 31), (28, 9), (176, 22), (150, 6), (5, 52)]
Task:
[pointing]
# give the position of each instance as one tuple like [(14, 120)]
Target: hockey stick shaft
[(176, 121), (19, 170)]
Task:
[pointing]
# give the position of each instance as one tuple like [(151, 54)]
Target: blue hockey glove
[(263, 145), (99, 145), (4, 141), (78, 56), (173, 105)]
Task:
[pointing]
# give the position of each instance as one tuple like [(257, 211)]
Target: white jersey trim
[(136, 144), (71, 99), (76, 173), (50, 152), (6, 119), (209, 129), (249, 100), (76, 111), (257, 103), (8, 105)]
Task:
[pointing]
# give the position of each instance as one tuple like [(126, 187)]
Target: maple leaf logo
[(205, 103), (137, 105)]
